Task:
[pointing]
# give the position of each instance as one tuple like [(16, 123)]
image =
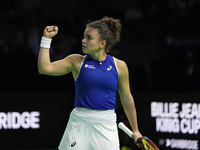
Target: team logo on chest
[(90, 66)]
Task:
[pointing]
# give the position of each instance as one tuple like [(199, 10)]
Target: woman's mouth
[(84, 47)]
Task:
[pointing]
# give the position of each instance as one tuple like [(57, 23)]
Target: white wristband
[(45, 42)]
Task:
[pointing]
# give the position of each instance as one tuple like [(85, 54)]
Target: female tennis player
[(98, 76)]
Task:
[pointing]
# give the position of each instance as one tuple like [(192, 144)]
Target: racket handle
[(125, 129)]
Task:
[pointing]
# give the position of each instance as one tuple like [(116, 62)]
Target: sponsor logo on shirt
[(89, 66), (73, 144), (109, 68)]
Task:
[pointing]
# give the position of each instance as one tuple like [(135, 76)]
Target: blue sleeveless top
[(96, 84)]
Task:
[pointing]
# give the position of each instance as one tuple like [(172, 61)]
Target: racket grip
[(125, 129)]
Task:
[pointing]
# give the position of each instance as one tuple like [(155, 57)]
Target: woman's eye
[(87, 37)]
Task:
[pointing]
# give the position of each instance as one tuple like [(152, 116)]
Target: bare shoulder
[(119, 62), (76, 61), (75, 58), (121, 65)]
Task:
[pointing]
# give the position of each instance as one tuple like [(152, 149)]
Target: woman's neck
[(99, 56)]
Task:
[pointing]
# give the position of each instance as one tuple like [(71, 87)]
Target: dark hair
[(109, 30)]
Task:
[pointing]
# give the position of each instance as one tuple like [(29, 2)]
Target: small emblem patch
[(109, 68), (73, 144)]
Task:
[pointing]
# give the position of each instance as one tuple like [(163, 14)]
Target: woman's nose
[(83, 40)]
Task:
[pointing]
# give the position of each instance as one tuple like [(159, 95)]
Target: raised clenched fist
[(50, 31)]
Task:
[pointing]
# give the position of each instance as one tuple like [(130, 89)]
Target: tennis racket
[(144, 142)]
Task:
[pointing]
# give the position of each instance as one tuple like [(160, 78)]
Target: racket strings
[(147, 144), (151, 143)]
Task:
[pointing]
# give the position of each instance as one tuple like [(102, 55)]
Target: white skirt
[(90, 130)]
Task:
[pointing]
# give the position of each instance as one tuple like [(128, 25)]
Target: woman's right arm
[(56, 68)]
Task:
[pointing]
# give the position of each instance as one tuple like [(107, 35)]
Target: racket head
[(147, 144)]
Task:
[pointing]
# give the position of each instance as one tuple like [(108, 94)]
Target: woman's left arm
[(127, 98)]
